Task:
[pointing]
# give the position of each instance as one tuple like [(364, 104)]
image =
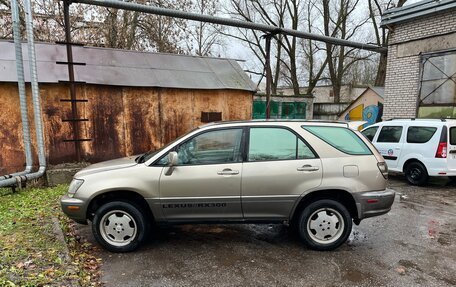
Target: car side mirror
[(173, 160)]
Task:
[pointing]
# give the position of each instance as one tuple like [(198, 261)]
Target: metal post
[(74, 108), (267, 65)]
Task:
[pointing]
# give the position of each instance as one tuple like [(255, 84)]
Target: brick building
[(421, 70)]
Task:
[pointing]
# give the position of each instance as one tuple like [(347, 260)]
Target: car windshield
[(148, 155)]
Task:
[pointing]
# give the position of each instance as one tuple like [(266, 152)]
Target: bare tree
[(376, 8), (260, 11), (338, 22), (48, 21), (105, 26), (120, 29), (314, 62), (164, 34), (202, 37)]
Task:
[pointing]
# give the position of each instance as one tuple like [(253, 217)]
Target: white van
[(417, 147)]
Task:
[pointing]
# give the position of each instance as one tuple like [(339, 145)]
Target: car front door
[(389, 143), (279, 168), (205, 185)]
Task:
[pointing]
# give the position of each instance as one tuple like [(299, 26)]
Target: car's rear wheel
[(325, 224), (416, 173), (119, 226)]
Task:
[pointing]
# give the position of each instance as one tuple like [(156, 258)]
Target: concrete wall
[(122, 121), (328, 111), (323, 94), (408, 40)]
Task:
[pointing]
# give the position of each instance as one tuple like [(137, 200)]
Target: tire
[(334, 220), (416, 173), (119, 226)]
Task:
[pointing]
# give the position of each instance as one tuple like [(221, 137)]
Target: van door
[(451, 158), (389, 143)]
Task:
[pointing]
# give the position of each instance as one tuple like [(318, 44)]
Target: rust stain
[(122, 121)]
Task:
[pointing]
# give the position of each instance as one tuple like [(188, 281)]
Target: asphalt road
[(413, 245)]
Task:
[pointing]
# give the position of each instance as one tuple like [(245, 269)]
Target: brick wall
[(401, 85), (403, 71), (422, 27)]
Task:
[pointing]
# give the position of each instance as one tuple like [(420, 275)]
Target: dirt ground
[(413, 245)]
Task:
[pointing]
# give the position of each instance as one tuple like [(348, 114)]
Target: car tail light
[(383, 169), (443, 145), (441, 150)]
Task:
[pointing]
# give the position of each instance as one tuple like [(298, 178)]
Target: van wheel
[(416, 173), (324, 225), (119, 226)]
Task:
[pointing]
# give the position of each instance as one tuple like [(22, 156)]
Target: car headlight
[(74, 186)]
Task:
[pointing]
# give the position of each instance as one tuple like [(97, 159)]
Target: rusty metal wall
[(122, 120)]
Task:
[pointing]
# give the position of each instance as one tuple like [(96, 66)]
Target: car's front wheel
[(325, 224), (119, 226)]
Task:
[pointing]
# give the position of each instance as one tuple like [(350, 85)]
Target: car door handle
[(228, 171), (308, 167)]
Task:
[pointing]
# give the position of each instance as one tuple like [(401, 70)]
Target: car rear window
[(453, 136), (420, 134), (340, 138)]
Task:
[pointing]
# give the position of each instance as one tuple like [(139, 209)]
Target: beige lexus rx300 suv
[(319, 177)]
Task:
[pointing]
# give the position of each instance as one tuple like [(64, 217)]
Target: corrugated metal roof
[(128, 68), (409, 12)]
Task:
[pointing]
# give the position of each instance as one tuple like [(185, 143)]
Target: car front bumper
[(74, 208), (374, 203)]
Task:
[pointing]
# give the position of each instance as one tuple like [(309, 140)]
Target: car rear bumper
[(374, 203), (74, 208)]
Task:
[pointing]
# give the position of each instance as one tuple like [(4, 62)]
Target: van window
[(369, 133), (453, 136), (390, 134), (420, 134), (340, 138)]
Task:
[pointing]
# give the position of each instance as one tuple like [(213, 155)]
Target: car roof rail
[(412, 119)]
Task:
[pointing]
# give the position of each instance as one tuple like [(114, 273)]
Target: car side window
[(390, 134), (213, 147), (276, 144), (369, 133), (420, 134)]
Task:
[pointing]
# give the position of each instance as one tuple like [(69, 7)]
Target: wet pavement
[(413, 245)]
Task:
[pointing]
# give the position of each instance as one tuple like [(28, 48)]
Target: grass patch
[(30, 252)]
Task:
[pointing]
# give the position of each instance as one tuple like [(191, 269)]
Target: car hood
[(107, 165)]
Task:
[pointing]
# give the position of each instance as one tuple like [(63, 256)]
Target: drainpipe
[(35, 93), (17, 180), (22, 94)]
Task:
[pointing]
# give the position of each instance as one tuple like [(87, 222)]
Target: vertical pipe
[(35, 91), (17, 180), (74, 109), (22, 94), (268, 76)]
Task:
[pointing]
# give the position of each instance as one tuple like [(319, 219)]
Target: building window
[(207, 117), (438, 85)]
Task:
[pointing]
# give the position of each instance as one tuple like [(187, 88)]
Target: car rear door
[(206, 183), (451, 158), (279, 166), (389, 143)]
